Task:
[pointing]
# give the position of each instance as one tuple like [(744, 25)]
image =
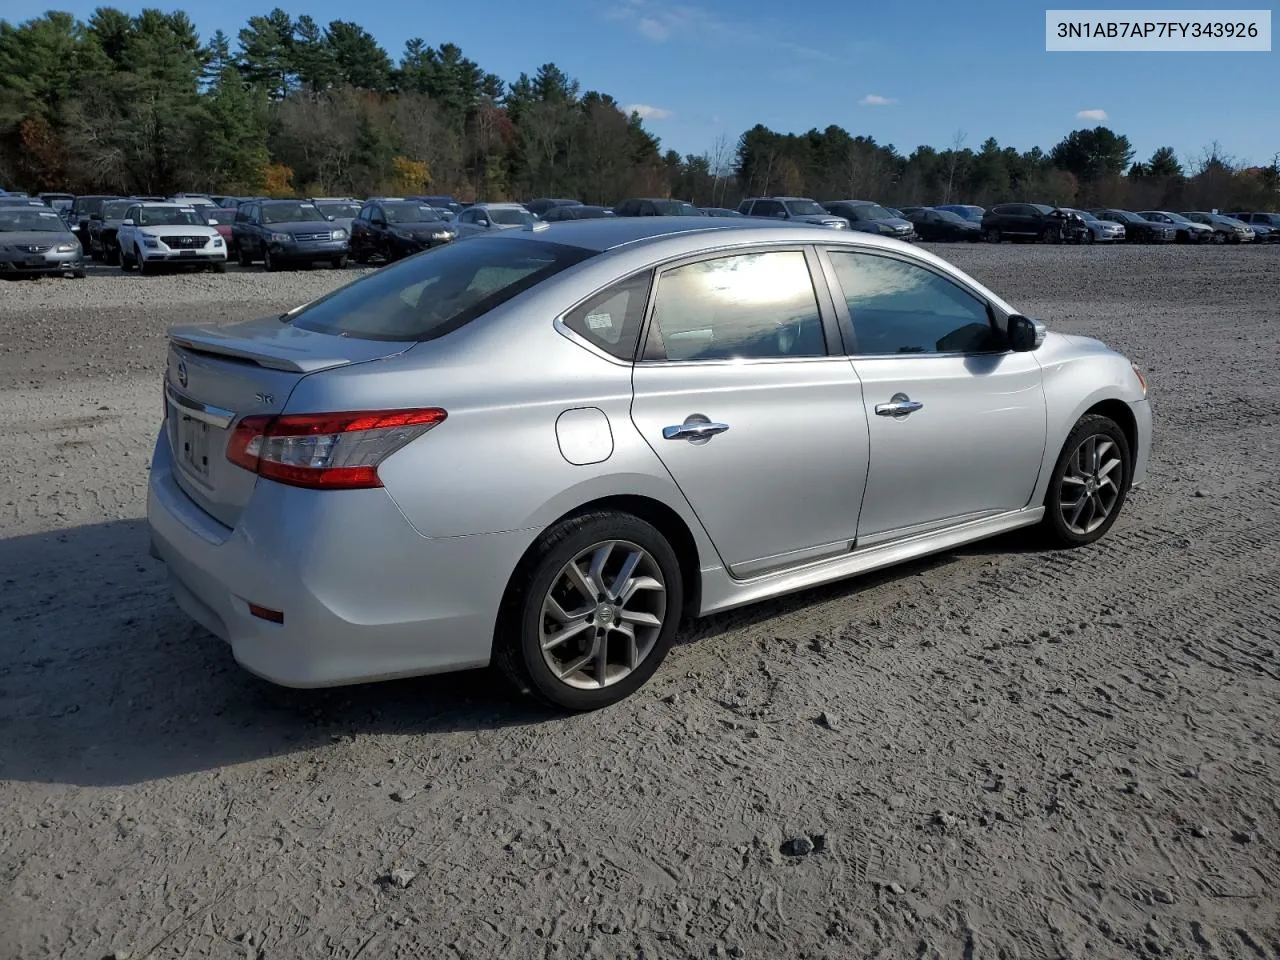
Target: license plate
[(186, 253), (37, 263), (193, 445)]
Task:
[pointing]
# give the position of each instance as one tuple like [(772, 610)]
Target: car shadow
[(105, 682)]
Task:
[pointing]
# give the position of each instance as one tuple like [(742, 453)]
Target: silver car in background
[(542, 447), (1100, 231), (481, 218)]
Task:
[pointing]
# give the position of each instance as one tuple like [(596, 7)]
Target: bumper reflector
[(262, 613)]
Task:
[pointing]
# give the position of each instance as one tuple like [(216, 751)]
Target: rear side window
[(611, 319), (745, 306), (430, 295)]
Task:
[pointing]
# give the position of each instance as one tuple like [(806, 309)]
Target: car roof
[(506, 204), (608, 233)]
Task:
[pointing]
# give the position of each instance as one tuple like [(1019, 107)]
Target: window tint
[(898, 307), (744, 306), (431, 295), (611, 319), (768, 208)]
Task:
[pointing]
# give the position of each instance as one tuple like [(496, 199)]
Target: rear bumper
[(364, 596)]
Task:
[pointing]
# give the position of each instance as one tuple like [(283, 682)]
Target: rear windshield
[(435, 293)]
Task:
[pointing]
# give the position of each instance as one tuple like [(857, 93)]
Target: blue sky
[(906, 72)]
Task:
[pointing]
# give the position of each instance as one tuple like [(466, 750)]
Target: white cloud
[(661, 20), (649, 113), (875, 100), (1091, 114), (653, 29)]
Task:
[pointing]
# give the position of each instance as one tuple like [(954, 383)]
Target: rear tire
[(218, 267), (243, 258), (641, 601), (992, 235), (1095, 466), (111, 253)]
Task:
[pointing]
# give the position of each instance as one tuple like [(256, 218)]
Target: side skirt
[(721, 592)]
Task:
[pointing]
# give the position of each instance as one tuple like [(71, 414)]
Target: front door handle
[(696, 428), (898, 407)]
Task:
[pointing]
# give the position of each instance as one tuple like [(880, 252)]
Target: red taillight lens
[(328, 451)]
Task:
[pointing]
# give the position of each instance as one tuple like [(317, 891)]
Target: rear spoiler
[(250, 352)]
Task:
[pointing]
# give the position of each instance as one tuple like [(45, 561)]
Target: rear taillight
[(327, 451)]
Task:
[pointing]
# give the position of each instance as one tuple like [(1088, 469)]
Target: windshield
[(1084, 215), (339, 209), (871, 211), (949, 216), (115, 209), (510, 216), (23, 219), (214, 215), (169, 217), (290, 213), (410, 213), (804, 208), (430, 295)]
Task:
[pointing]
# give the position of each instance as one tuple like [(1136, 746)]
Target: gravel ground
[(1000, 752)]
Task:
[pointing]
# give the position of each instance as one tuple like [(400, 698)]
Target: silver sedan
[(541, 447)]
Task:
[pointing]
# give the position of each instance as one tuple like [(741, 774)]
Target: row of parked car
[(53, 233)]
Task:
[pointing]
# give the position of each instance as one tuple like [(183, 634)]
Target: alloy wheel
[(602, 616), (1090, 484)]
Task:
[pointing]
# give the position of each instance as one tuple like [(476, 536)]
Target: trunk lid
[(217, 374)]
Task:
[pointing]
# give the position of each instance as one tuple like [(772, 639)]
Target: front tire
[(269, 262), (143, 269), (590, 612), (1089, 484), (339, 263)]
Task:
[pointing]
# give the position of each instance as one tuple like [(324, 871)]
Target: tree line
[(141, 104)]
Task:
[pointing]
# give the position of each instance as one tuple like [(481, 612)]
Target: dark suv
[(655, 207), (1271, 221), (287, 232), (82, 210), (1021, 221)]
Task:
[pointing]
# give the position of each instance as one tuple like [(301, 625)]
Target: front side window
[(611, 319), (900, 308), (746, 306), (768, 208), (428, 296)]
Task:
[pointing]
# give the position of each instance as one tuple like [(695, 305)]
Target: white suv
[(163, 233)]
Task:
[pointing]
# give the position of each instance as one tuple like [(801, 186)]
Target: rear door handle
[(898, 407), (696, 429)]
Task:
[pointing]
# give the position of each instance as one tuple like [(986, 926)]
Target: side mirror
[(126, 223), (481, 221), (781, 214), (378, 222), (330, 217), (1025, 334)]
